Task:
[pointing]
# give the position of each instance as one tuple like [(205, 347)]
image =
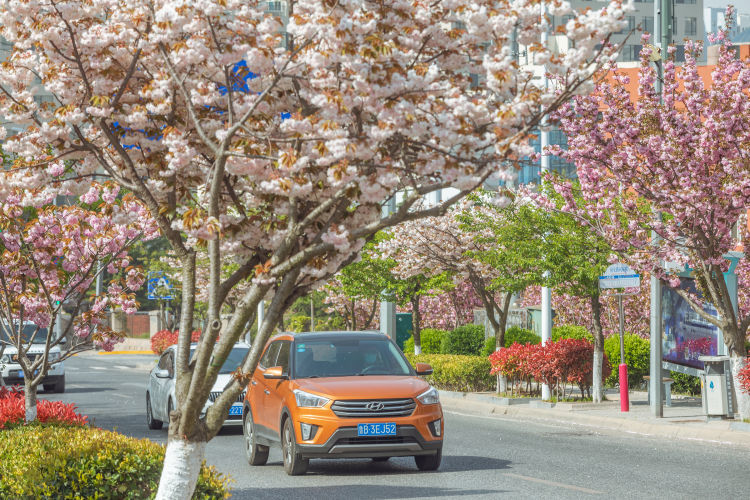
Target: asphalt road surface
[(483, 457)]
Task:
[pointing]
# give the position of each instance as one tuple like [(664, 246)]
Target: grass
[(145, 335)]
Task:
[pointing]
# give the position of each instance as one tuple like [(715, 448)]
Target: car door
[(258, 388), (275, 395), (159, 387)]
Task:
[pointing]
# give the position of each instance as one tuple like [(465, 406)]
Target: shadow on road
[(76, 390), (359, 491)]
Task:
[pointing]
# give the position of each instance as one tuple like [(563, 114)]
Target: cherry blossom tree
[(49, 257), (678, 167), (451, 309), (274, 146)]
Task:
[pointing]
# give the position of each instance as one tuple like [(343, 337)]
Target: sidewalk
[(683, 420), (128, 346)]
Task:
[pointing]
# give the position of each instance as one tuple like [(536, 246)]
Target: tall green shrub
[(571, 332), (467, 340), (431, 340), (685, 384), (637, 355), (513, 335)]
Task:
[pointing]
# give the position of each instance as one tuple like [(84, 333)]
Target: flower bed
[(164, 338), (13, 410)]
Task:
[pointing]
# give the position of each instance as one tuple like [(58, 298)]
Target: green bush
[(82, 462), (685, 384), (453, 372), (637, 355), (514, 334), (431, 339), (467, 340), (571, 332), (298, 323)]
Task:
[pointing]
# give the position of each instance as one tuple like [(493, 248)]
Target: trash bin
[(715, 391)]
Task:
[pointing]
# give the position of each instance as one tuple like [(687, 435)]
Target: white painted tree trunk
[(417, 349), (502, 383), (737, 363), (182, 464), (30, 402), (596, 390)]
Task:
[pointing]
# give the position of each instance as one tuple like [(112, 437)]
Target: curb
[(104, 353), (721, 432)]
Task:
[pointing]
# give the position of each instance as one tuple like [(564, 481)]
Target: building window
[(630, 53), (648, 24), (685, 1), (691, 26), (644, 1)]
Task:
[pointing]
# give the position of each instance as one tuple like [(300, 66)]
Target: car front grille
[(377, 440), (214, 395), (374, 408), (32, 357)]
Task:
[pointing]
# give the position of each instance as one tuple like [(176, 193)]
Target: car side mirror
[(161, 373), (423, 369), (275, 372)]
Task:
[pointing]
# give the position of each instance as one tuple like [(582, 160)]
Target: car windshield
[(26, 334), (236, 355), (346, 357)]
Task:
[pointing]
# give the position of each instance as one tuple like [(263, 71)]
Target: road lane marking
[(133, 384), (553, 483), (123, 367), (98, 368)]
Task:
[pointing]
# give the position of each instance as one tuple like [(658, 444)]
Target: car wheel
[(256, 454), (429, 462), (59, 387), (380, 459), (294, 464), (150, 420)]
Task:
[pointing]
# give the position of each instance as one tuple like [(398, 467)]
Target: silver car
[(160, 392)]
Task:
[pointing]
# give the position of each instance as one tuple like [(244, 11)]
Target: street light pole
[(387, 308), (544, 143), (663, 26)]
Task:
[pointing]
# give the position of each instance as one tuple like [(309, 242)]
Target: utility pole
[(663, 26), (544, 143)]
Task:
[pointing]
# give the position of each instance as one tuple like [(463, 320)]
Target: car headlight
[(429, 397), (5, 359), (53, 356), (307, 400)]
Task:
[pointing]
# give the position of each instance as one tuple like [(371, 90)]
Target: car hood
[(221, 382), (34, 349), (365, 387)]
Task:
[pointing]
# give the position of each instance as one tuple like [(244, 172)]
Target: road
[(484, 456)]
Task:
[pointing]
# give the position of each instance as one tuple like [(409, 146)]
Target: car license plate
[(382, 429), (235, 410), (20, 373)]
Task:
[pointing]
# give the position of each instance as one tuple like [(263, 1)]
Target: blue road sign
[(159, 286)]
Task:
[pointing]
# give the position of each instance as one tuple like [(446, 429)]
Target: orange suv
[(340, 395)]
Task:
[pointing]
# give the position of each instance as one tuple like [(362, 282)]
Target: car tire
[(153, 423), (429, 462), (380, 459), (294, 463), (256, 454)]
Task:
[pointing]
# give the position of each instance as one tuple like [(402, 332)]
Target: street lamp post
[(544, 143)]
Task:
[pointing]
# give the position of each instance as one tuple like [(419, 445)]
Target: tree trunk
[(354, 315), (596, 316), (415, 321), (374, 307), (743, 399), (29, 390), (182, 465)]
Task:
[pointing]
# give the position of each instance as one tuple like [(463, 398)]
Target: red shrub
[(13, 410), (744, 376), (164, 338)]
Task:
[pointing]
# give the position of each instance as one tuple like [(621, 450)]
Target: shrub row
[(431, 339), (38, 461), (513, 335), (555, 363), (453, 372), (13, 410), (165, 338)]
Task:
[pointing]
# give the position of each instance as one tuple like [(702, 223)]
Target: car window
[(282, 359), (164, 361), (269, 358), (170, 363), (348, 356)]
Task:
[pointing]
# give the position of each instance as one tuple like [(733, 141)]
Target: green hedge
[(637, 355), (456, 372), (571, 332), (82, 462), (513, 335), (466, 340), (431, 339), (685, 384)]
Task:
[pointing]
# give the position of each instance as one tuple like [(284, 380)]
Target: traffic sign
[(619, 275), (159, 286)]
